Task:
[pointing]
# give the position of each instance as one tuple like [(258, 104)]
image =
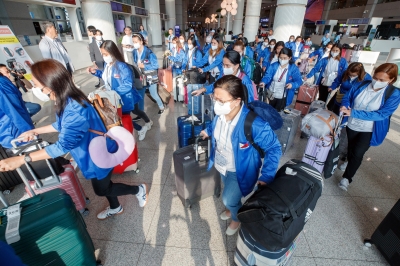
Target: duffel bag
[(276, 213), (319, 123)]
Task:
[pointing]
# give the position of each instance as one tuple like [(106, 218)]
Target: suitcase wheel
[(87, 200), (137, 171), (367, 242), (85, 212)]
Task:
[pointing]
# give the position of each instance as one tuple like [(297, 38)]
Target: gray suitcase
[(193, 181), (291, 119)]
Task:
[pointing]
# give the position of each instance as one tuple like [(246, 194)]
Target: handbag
[(107, 112), (137, 77), (150, 76), (270, 94)]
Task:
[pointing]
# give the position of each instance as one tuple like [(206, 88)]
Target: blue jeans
[(231, 196), (141, 102), (154, 94), (33, 108)]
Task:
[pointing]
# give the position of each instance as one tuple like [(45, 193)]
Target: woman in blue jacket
[(214, 59), (330, 68), (238, 162), (369, 108), (262, 48), (14, 117), (118, 76), (297, 47), (145, 59), (192, 61), (321, 53), (177, 58), (288, 43), (143, 32), (283, 78), (354, 76), (74, 118), (245, 64), (275, 49), (231, 66)]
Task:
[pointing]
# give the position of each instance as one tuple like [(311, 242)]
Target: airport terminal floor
[(164, 232)]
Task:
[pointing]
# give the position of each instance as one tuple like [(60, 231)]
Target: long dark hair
[(220, 46), (193, 40), (355, 67), (233, 85), (287, 52), (53, 75), (273, 53), (338, 45), (113, 50), (233, 56)]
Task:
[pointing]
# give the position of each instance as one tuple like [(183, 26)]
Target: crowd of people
[(231, 75)]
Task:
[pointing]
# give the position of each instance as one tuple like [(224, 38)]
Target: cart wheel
[(85, 212), (87, 200), (367, 242), (137, 171)]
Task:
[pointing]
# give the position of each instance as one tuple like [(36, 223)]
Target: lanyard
[(372, 100), (283, 73)]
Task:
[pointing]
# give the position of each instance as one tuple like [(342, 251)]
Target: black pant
[(358, 145), (106, 188), (278, 104), (140, 113), (323, 93)]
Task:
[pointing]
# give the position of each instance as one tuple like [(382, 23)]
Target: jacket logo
[(244, 145), (146, 61), (117, 76), (290, 78)]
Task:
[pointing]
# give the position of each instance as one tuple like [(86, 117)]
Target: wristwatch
[(27, 158)]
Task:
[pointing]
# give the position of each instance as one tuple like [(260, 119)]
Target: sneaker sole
[(118, 213), (343, 188), (147, 196)]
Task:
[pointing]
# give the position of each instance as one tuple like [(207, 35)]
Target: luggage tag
[(13, 219), (220, 162)]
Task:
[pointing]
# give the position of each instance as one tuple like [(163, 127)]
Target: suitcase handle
[(196, 146)]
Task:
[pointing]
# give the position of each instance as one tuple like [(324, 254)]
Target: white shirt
[(127, 40), (170, 37), (215, 71), (330, 72), (297, 52), (278, 87), (190, 57), (223, 136), (107, 72), (367, 100), (275, 59)]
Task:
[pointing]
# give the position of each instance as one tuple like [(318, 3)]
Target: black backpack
[(257, 74), (276, 213)]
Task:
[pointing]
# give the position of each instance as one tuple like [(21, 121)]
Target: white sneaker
[(142, 195), (107, 213), (142, 133), (148, 125), (343, 166), (344, 184)]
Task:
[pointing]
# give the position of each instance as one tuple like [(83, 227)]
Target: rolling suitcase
[(50, 231), (193, 181), (179, 88), (188, 129), (387, 236), (68, 180), (194, 102), (317, 151), (248, 252), (307, 94), (286, 134), (165, 78), (130, 164), (8, 180)]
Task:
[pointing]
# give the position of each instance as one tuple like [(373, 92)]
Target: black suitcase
[(193, 181), (8, 180), (387, 236), (287, 132)]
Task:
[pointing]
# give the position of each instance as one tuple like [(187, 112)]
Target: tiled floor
[(165, 233)]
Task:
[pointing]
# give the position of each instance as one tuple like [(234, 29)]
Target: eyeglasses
[(220, 102)]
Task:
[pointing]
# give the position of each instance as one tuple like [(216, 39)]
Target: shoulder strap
[(248, 132), (390, 90)]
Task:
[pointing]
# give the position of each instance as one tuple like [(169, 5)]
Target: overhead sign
[(320, 22), (13, 54), (362, 21), (70, 2)]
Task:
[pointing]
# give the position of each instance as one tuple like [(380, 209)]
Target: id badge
[(296, 54), (220, 162), (357, 122)]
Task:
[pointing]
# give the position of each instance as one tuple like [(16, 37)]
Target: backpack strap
[(389, 91), (248, 132)]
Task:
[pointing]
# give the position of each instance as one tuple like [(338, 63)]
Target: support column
[(154, 21), (253, 10), (289, 18), (170, 10), (179, 14), (238, 22), (98, 13), (184, 14), (73, 20), (128, 21)]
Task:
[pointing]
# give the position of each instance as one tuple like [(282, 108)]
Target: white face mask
[(297, 42), (291, 40), (40, 95), (222, 109), (353, 78), (182, 41), (272, 46), (214, 47), (334, 54), (379, 84), (283, 62), (208, 40), (327, 50), (265, 44), (136, 45), (228, 71), (173, 45), (99, 38), (108, 59), (190, 46)]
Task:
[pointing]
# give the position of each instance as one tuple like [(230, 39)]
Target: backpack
[(137, 76), (255, 69), (268, 114), (255, 91)]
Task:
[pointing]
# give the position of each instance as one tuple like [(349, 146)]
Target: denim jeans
[(33, 108), (154, 94), (142, 94), (231, 196)]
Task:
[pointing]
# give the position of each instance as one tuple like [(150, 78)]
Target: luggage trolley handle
[(196, 147)]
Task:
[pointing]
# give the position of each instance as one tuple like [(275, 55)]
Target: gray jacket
[(54, 49), (95, 54)]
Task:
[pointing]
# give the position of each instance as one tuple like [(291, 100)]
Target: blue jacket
[(287, 44), (14, 118), (380, 117), (247, 67), (321, 65), (293, 77), (292, 46), (148, 59), (325, 40), (74, 137), (206, 47), (245, 80), (346, 85), (196, 59), (121, 82), (247, 159), (264, 54), (319, 53), (216, 63), (179, 57), (249, 52)]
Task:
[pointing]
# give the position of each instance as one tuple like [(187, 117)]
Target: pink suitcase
[(317, 151)]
